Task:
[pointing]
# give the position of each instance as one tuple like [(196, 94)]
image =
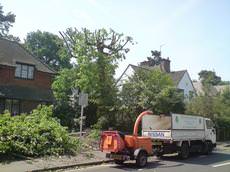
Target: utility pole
[(81, 121), (83, 102)]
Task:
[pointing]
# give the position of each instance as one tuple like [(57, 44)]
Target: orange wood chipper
[(121, 147)]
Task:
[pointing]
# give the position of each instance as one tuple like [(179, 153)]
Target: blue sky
[(195, 33)]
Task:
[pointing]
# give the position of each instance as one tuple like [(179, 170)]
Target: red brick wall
[(41, 79)]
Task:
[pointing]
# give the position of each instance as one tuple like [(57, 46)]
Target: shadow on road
[(214, 158), (131, 166)]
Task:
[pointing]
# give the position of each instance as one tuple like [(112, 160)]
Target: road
[(216, 162)]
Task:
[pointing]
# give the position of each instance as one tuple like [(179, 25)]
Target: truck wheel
[(210, 147), (142, 159), (184, 151), (206, 148), (119, 162)]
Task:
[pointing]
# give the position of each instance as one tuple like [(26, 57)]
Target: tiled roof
[(12, 52), (26, 93), (214, 90), (177, 76)]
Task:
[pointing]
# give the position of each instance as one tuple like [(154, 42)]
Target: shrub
[(35, 134), (95, 134)]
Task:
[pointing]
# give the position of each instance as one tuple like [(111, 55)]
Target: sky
[(194, 34)]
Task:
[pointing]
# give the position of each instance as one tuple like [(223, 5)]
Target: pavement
[(52, 162), (215, 162)]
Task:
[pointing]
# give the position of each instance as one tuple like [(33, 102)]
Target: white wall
[(186, 85)]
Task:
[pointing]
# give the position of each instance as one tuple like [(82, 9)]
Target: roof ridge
[(184, 70)]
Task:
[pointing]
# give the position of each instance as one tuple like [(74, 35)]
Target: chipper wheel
[(142, 159)]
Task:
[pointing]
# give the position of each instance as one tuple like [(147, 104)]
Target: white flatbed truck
[(178, 133)]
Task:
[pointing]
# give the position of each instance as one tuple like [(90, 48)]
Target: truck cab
[(210, 131)]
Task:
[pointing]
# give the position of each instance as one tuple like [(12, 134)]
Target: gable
[(186, 84), (12, 52)]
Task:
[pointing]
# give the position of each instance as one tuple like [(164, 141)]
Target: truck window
[(209, 124)]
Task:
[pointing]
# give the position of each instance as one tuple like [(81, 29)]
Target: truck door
[(210, 132)]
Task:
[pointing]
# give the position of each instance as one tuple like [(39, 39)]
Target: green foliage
[(64, 81), (222, 109), (152, 90), (49, 48), (6, 22), (95, 134), (35, 134), (222, 104), (210, 106), (209, 77), (201, 105), (64, 110)]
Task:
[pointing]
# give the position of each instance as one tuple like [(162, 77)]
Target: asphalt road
[(216, 162)]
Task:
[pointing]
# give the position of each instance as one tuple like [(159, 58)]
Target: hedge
[(35, 134)]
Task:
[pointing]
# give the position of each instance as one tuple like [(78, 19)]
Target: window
[(13, 106), (24, 71), (209, 124), (180, 91)]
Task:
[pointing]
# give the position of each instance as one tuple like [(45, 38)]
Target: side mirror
[(214, 131)]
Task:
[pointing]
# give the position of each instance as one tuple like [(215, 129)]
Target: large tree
[(49, 48), (97, 54), (6, 21), (148, 90), (209, 77)]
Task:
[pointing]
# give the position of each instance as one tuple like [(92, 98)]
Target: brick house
[(25, 81)]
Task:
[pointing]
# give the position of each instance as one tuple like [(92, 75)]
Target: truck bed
[(174, 127)]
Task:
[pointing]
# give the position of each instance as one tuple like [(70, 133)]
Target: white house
[(181, 78)]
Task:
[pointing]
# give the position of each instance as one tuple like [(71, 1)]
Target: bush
[(35, 134), (223, 128), (95, 134)]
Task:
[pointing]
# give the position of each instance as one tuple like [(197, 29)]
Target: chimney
[(165, 64)]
